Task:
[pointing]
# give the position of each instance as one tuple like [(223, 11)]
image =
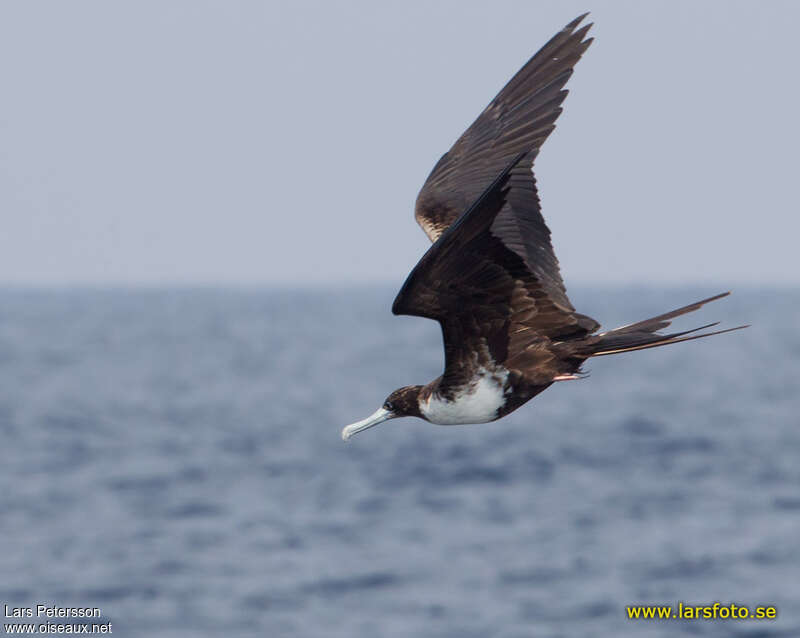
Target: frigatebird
[(491, 278)]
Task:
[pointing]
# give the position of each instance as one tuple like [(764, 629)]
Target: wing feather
[(491, 278), (519, 119), (483, 269)]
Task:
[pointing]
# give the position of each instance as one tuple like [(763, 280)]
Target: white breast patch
[(478, 403)]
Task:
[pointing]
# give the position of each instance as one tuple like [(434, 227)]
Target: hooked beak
[(379, 416)]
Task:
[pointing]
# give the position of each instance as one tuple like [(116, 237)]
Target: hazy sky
[(265, 142)]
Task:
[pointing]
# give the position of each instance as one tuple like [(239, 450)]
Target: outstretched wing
[(491, 279), (518, 120)]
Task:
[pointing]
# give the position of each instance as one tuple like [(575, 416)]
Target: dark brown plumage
[(491, 278), (519, 119)]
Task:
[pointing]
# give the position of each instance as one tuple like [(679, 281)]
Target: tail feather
[(665, 340), (643, 334), (662, 321)]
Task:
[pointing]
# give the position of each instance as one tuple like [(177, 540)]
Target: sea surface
[(174, 458)]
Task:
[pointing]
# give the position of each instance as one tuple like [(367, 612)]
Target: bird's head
[(401, 402)]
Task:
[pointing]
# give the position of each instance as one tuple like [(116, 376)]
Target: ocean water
[(173, 457)]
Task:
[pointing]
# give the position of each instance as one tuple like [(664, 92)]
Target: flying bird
[(491, 278)]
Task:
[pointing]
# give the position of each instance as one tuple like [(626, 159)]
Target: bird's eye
[(388, 406)]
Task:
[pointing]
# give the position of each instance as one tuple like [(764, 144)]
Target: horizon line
[(144, 286)]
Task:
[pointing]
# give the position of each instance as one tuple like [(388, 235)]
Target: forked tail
[(644, 334)]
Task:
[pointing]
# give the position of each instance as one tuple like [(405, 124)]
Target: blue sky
[(284, 143)]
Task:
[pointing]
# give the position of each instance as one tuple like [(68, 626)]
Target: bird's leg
[(566, 377), (571, 377)]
